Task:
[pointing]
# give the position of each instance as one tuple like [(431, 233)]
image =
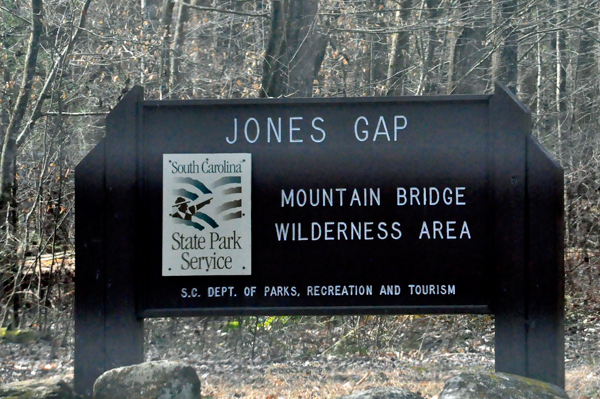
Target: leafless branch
[(98, 113), (220, 10), (37, 110)]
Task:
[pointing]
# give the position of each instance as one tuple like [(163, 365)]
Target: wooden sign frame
[(519, 221)]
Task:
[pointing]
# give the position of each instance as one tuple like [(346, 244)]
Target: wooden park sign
[(405, 205)]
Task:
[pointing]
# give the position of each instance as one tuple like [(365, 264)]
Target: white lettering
[(294, 129), (396, 228), (424, 230), (276, 132), (383, 132), (235, 131), (282, 231), (319, 129), (257, 130), (301, 200), (465, 231), (314, 236), (397, 126), (364, 132), (460, 194), (287, 200), (401, 196)]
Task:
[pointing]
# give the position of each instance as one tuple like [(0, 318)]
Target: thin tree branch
[(98, 113), (246, 14), (37, 110), (28, 22)]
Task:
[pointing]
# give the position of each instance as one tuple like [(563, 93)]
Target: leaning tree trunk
[(295, 49), (504, 60), (9, 148), (16, 133)]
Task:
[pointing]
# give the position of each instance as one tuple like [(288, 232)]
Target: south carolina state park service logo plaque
[(207, 215)]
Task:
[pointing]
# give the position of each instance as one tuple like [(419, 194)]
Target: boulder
[(156, 380), (488, 385), (51, 388), (383, 393)]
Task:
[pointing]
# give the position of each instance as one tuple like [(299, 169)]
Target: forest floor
[(323, 357), (320, 356)]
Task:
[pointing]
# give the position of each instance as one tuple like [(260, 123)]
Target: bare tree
[(468, 56), (295, 49), (9, 148), (399, 54), (504, 59), (175, 75)]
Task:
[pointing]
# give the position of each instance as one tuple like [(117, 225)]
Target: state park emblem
[(207, 215)]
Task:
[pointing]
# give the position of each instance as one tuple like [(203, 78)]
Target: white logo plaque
[(207, 215)]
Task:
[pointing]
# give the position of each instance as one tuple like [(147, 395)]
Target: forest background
[(65, 63)]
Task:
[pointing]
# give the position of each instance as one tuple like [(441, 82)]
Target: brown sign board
[(404, 205)]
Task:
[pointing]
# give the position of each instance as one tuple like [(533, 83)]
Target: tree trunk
[(167, 17), (467, 69), (378, 67), (559, 43), (539, 91), (586, 69), (504, 59), (427, 85), (9, 148), (295, 50), (175, 73), (399, 56)]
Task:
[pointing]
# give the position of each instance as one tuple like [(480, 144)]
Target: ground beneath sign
[(323, 357)]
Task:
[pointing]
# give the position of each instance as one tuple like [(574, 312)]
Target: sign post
[(436, 205)]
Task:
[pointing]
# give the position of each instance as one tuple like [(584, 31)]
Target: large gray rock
[(51, 388), (150, 380), (383, 393), (499, 385)]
